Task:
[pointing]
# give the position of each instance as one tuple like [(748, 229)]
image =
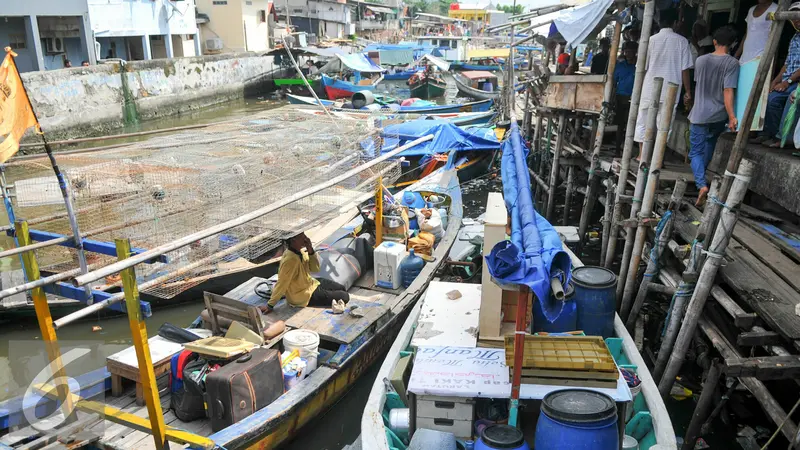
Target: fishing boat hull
[(462, 66), (477, 94), (404, 75), (336, 89), (427, 88), (477, 106)]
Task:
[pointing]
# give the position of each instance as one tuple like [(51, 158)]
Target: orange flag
[(16, 115)]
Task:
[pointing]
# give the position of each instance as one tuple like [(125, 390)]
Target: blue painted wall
[(105, 45), (26, 61), (72, 52)]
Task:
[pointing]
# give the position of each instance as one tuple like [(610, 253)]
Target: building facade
[(236, 25), (47, 34), (330, 19)]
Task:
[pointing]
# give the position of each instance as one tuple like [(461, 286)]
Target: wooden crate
[(565, 361), (575, 92)]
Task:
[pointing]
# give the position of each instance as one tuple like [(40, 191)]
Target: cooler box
[(388, 257)]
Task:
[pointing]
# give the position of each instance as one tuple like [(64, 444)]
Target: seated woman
[(298, 262)]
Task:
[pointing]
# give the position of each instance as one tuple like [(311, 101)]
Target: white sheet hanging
[(575, 25)]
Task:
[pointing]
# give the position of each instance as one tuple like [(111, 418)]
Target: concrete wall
[(89, 100), (256, 30), (225, 22)]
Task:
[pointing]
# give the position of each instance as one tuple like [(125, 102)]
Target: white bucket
[(307, 343), (629, 443), (635, 390), (400, 419)]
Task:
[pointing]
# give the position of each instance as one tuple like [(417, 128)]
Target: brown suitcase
[(243, 386)]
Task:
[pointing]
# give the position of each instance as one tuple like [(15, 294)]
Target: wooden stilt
[(703, 405), (705, 282), (139, 334), (627, 149), (551, 195), (544, 154), (641, 176), (519, 350), (710, 213), (594, 165), (658, 249), (609, 206), (568, 194), (45, 319)]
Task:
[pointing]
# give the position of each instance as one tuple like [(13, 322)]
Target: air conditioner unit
[(214, 44), (54, 45)]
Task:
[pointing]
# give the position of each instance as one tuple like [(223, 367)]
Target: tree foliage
[(511, 9)]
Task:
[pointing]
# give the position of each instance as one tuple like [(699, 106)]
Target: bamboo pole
[(653, 174), (715, 253), (539, 199), (210, 231), (627, 150), (568, 194), (594, 164), (636, 201), (116, 136), (609, 206), (710, 212), (703, 405), (655, 256), (551, 194)]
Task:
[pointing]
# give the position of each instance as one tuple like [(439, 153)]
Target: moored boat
[(476, 106), (363, 75), (481, 85), (427, 86)]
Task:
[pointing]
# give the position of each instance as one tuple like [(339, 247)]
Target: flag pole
[(62, 184)]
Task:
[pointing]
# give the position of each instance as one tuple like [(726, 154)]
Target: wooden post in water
[(142, 347), (641, 176), (653, 174), (627, 150), (594, 164), (45, 319), (551, 196), (607, 217), (568, 195), (715, 253), (658, 249), (703, 405)]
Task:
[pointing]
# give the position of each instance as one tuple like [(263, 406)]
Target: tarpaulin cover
[(397, 57), (447, 136), (360, 63), (534, 254), (575, 25)]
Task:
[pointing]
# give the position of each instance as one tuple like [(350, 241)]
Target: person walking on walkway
[(716, 75)]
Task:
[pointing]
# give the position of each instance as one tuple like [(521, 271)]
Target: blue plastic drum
[(596, 299), (577, 419), (501, 437), (566, 321)]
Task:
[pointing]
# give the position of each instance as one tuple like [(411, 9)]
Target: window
[(219, 2), (262, 16), (248, 3), (435, 42), (453, 43), (16, 41)]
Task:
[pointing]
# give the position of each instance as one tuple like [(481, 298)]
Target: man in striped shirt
[(668, 57)]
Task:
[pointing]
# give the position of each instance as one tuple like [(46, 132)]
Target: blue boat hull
[(479, 106)]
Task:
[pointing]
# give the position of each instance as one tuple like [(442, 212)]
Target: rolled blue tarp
[(533, 255)]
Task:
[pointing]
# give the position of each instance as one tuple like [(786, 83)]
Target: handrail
[(219, 228)]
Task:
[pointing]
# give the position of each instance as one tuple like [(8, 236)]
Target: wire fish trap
[(157, 191)]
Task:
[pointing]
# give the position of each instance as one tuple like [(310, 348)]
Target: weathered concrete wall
[(85, 101), (776, 176)]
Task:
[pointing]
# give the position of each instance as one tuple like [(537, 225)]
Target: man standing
[(624, 75), (716, 75), (669, 58), (781, 88), (600, 60)]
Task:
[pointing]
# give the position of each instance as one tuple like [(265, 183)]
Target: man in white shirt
[(668, 57)]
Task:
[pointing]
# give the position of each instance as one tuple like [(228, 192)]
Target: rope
[(744, 178), (785, 419), (714, 199)]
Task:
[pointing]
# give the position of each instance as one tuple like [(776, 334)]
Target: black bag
[(187, 401), (243, 386)]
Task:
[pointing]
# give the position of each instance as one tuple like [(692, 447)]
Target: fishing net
[(159, 190)]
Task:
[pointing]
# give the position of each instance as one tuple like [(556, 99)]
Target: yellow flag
[(16, 115)]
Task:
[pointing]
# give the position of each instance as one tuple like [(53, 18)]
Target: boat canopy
[(534, 254), (436, 61), (577, 24), (478, 74), (478, 53), (447, 136), (360, 63)]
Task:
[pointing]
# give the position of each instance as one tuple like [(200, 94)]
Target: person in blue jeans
[(716, 75), (781, 89)]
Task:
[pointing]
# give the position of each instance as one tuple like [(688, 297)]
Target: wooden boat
[(460, 119), (477, 106), (336, 89), (426, 87), (650, 423), (402, 75), (346, 352), (469, 83)]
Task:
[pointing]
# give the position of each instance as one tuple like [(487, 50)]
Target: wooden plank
[(160, 350), (589, 96), (788, 243), (764, 368), (741, 318), (560, 95), (569, 382), (755, 338), (303, 315), (770, 254), (580, 79), (755, 213), (577, 374), (344, 328)]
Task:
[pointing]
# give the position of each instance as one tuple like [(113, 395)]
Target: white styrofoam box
[(445, 408), (388, 257), (459, 428), (448, 322)]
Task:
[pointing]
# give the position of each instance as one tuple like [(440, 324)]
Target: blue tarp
[(447, 136), (360, 63), (534, 254)]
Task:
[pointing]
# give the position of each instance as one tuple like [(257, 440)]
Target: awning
[(380, 9), (478, 74), (475, 53), (438, 62), (577, 24), (360, 63)]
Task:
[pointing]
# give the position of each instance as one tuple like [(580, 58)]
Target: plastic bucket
[(566, 321), (501, 437), (307, 343), (577, 419), (399, 419), (635, 391), (596, 299), (629, 443)]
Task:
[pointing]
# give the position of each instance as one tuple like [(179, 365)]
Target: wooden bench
[(124, 365)]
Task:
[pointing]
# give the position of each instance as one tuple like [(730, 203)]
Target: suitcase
[(243, 386)]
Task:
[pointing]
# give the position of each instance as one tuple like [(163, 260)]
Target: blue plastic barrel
[(596, 299), (566, 321), (577, 419), (227, 241), (410, 268), (501, 437)]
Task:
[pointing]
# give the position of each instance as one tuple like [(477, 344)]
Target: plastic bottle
[(410, 268)]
